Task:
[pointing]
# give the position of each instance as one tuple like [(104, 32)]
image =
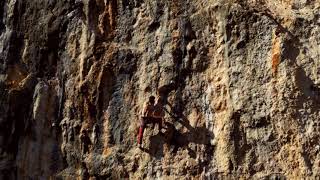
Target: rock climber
[(146, 117)]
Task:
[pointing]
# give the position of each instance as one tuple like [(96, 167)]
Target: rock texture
[(241, 79)]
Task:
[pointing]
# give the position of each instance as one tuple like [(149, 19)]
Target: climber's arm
[(145, 110)]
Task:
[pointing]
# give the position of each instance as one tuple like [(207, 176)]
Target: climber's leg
[(141, 130), (144, 121)]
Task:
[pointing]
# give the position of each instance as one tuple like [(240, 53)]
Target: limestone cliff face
[(241, 78)]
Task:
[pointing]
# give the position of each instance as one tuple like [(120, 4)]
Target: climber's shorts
[(150, 120)]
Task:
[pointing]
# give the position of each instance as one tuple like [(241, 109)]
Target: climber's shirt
[(148, 109)]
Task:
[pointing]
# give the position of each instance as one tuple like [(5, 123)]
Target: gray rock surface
[(241, 80)]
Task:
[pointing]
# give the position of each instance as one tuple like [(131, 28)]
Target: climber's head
[(151, 99)]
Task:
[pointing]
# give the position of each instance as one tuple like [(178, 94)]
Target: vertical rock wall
[(241, 80)]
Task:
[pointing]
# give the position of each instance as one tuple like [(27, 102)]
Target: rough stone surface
[(241, 77)]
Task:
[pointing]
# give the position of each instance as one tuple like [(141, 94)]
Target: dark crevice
[(20, 104), (2, 26), (19, 11), (15, 48), (105, 89), (154, 25)]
